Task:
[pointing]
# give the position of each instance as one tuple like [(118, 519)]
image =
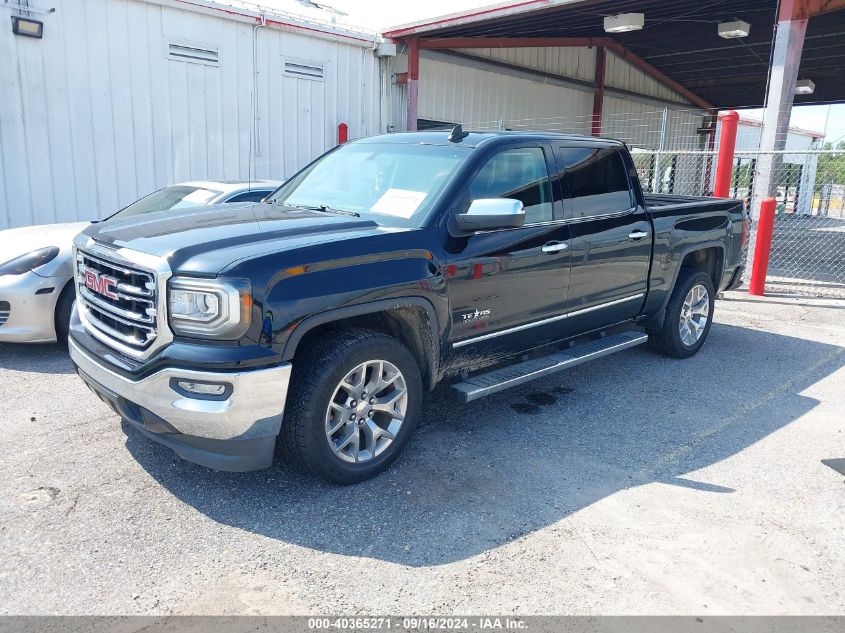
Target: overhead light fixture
[(805, 87), (27, 27), (624, 22), (737, 28)]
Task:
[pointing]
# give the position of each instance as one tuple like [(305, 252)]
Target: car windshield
[(173, 197), (394, 184)]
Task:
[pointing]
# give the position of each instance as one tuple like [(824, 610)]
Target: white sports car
[(36, 297)]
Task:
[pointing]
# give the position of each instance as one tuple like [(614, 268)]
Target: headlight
[(209, 308), (30, 261)]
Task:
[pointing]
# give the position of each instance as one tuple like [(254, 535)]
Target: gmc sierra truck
[(321, 316)]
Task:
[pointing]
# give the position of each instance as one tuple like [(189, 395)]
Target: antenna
[(457, 134)]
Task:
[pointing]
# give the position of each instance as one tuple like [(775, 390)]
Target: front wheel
[(64, 307), (689, 315), (354, 401)]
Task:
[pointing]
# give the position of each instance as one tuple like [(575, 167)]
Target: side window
[(517, 173), (249, 196), (596, 180)]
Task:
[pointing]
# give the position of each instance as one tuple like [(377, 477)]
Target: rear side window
[(596, 181), (520, 174), (249, 196)]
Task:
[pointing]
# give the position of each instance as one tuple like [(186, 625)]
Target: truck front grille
[(120, 301), (5, 309)]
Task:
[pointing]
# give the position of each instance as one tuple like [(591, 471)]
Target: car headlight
[(208, 308), (29, 261)]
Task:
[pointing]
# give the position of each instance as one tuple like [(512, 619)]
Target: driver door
[(508, 287)]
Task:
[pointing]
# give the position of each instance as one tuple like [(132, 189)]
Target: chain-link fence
[(808, 243)]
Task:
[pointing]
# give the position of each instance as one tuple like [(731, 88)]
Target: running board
[(519, 373)]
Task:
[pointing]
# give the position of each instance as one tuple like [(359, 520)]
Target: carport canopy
[(678, 45)]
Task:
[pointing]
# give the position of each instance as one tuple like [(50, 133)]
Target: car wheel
[(64, 307), (354, 401), (689, 315)]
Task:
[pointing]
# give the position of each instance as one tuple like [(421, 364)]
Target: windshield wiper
[(327, 209)]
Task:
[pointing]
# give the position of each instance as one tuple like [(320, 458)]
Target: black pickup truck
[(321, 316)]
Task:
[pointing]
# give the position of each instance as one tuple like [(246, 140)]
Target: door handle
[(554, 247), (637, 235)]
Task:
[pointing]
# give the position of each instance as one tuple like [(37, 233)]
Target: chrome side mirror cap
[(486, 214)]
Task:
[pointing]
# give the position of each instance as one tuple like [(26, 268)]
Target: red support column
[(727, 145), (598, 90), (413, 78), (762, 247), (342, 133)]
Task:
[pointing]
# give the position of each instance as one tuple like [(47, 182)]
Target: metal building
[(121, 97)]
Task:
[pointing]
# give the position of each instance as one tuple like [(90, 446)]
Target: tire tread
[(665, 340), (311, 369)]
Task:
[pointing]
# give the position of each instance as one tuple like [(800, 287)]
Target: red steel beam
[(509, 42), (659, 75), (805, 9), (412, 82), (598, 90)]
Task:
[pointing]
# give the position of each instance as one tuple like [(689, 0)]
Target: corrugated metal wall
[(95, 115), (469, 88), (574, 62), (485, 99), (623, 75)]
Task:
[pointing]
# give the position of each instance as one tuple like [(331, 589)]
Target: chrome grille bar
[(119, 301), (129, 317)]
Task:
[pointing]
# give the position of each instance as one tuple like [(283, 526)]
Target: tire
[(671, 339), (322, 397), (64, 306)]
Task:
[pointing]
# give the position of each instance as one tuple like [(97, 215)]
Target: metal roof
[(679, 39)]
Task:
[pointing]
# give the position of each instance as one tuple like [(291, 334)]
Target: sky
[(377, 15)]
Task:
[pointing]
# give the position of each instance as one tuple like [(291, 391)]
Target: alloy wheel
[(366, 411), (694, 314)]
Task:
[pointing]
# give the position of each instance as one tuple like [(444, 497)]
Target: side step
[(519, 373)]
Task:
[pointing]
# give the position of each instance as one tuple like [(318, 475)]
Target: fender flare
[(372, 307), (657, 319)]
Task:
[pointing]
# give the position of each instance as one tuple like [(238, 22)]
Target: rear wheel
[(689, 315), (354, 402)]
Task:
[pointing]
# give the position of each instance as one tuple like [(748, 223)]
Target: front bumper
[(237, 433), (31, 316)]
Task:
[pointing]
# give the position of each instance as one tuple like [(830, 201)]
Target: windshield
[(394, 184), (173, 197)]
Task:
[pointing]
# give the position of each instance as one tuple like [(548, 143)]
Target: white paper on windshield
[(399, 202)]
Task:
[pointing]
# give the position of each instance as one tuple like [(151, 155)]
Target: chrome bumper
[(253, 408)]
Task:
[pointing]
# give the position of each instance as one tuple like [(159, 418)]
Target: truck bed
[(662, 201)]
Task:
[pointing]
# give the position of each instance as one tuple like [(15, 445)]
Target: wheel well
[(67, 289), (408, 324), (708, 260)]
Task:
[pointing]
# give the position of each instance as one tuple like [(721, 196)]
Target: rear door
[(508, 287), (610, 235)]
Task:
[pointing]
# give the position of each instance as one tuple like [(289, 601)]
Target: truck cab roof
[(476, 139)]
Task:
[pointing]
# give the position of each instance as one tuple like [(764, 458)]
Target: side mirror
[(487, 214)]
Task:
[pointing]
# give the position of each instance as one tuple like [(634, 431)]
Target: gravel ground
[(631, 485)]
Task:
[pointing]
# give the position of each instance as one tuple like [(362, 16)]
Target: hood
[(203, 240), (16, 242)]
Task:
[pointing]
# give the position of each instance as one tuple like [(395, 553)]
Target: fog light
[(202, 388)]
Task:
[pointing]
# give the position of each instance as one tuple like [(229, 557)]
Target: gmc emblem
[(101, 284)]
